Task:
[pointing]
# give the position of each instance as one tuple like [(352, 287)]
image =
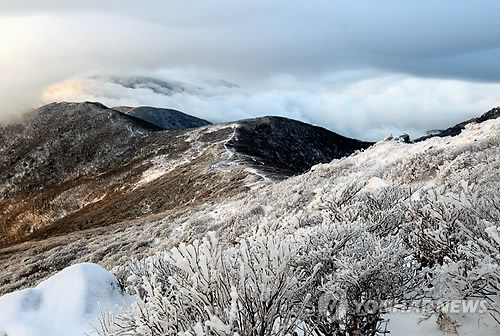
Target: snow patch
[(259, 174), (218, 127), (161, 166), (412, 324), (229, 151), (376, 183), (66, 304)]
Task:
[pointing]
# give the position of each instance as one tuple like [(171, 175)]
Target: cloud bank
[(281, 54), (368, 109)]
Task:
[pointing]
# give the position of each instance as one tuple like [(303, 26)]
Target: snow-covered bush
[(252, 289), (446, 233), (357, 267), (454, 232)]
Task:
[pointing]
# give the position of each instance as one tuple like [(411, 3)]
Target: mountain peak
[(163, 117), (290, 145)]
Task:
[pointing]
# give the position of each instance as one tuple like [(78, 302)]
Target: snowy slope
[(262, 207), (81, 166), (296, 203), (411, 324)]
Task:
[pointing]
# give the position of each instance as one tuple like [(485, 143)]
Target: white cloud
[(369, 109)]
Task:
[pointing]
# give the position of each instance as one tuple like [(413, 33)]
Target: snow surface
[(66, 304), (375, 183), (412, 324)]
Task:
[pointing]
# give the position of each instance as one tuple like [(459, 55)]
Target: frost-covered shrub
[(356, 267), (419, 167), (454, 232), (476, 274), (253, 289), (339, 203), (444, 231), (132, 275)]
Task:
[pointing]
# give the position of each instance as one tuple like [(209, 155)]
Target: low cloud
[(369, 108)]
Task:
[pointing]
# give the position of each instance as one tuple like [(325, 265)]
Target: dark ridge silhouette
[(457, 129)]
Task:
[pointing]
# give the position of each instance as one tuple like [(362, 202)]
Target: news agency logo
[(333, 308), (465, 306)]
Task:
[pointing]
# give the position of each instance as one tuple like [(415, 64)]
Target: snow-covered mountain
[(76, 166), (394, 221)]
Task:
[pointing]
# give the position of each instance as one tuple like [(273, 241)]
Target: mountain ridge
[(163, 117), (77, 166), (458, 128)]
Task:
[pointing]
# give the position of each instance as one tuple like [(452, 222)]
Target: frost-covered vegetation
[(399, 223), (424, 227)]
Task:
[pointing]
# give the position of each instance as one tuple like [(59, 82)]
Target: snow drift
[(66, 304)]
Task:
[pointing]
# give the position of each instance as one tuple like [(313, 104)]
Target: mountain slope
[(163, 118), (60, 147), (62, 141), (290, 146), (74, 167)]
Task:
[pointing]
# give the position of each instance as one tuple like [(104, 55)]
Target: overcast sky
[(361, 68)]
